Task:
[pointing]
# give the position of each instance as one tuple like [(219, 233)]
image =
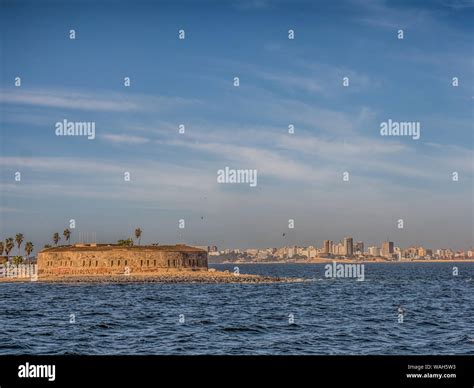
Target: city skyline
[(344, 249), (335, 243), (345, 246), (282, 82)]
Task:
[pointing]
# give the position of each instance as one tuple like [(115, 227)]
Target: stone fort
[(109, 259)]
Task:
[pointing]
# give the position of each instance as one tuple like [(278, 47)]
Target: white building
[(373, 251)]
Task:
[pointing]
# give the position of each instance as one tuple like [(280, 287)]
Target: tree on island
[(28, 249), (67, 235), (138, 235), (127, 243), (56, 238), (9, 245), (19, 241)]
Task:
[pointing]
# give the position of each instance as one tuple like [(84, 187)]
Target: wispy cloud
[(125, 139), (97, 101), (379, 13), (319, 78)]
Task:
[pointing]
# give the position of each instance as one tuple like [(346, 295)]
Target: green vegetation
[(56, 238), (9, 245), (67, 235), (17, 260), (28, 249), (19, 241), (126, 243)]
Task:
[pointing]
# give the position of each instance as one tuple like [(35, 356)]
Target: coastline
[(324, 261), (215, 277), (208, 277)]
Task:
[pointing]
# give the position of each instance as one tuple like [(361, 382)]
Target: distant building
[(359, 247), (445, 253), (327, 245), (338, 249), (203, 247), (291, 252), (387, 248), (312, 252), (281, 253), (374, 251), (348, 246), (398, 252)]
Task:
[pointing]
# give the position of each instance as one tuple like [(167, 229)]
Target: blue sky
[(190, 82)]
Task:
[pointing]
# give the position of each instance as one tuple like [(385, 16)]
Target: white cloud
[(124, 138), (98, 101)]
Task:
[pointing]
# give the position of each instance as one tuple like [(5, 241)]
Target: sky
[(283, 81)]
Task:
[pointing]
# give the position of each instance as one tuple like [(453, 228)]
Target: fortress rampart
[(97, 259)]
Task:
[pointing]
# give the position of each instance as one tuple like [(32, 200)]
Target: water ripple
[(316, 316)]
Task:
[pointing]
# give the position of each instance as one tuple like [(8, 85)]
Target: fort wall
[(114, 259)]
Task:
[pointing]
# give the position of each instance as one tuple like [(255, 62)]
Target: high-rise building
[(338, 249), (327, 246), (387, 248), (348, 246), (359, 247)]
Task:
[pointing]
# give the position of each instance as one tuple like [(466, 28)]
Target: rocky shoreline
[(166, 277)]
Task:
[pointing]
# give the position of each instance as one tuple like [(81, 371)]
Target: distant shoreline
[(213, 277), (324, 261)]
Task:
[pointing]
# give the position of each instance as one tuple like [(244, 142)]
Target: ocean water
[(330, 316)]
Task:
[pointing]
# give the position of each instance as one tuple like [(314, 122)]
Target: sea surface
[(318, 316)]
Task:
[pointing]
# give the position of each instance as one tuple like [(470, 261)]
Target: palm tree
[(138, 235), (28, 249), (56, 238), (67, 235), (9, 245), (2, 248), (19, 240)]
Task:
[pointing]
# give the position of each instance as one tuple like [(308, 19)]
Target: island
[(148, 263)]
